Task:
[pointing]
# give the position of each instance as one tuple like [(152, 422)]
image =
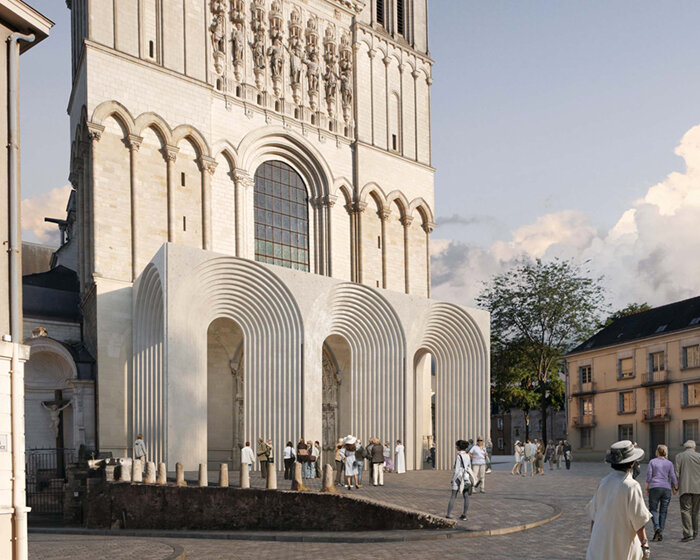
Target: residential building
[(509, 427)]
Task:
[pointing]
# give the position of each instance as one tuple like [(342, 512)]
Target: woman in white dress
[(400, 463), (349, 459), (518, 456)]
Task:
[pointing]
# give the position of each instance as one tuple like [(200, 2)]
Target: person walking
[(549, 454), (312, 459), (462, 479), (360, 456), (567, 454), (478, 457), (338, 462), (559, 453), (289, 459), (539, 456), (661, 481), (617, 510), (263, 452), (349, 459), (431, 453), (140, 451), (388, 461), (517, 457), (377, 459), (247, 456), (688, 471), (317, 463), (303, 457), (400, 456), (527, 459), (489, 451)]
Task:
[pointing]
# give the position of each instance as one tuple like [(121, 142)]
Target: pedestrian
[(559, 453), (527, 459), (270, 455), (478, 457), (567, 454), (338, 462), (462, 479), (388, 461), (617, 511), (688, 471), (549, 454), (661, 481), (312, 459), (432, 452), (140, 451), (517, 457), (262, 452), (377, 459), (349, 459), (539, 456), (247, 456), (489, 450), (400, 456), (289, 459), (303, 456), (360, 456), (317, 463)]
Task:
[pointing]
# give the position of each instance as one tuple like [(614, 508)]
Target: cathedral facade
[(253, 210)]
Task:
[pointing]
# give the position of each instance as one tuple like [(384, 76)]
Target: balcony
[(584, 389), (657, 415), (656, 378), (584, 421)]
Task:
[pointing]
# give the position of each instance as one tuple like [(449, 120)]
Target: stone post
[(136, 470), (150, 473), (125, 470), (202, 480), (327, 483), (179, 475), (223, 475), (245, 476), (297, 481), (271, 478), (162, 474)]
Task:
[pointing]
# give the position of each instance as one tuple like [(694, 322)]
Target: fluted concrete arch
[(277, 143), (149, 380), (261, 304), (372, 328), (463, 380), (113, 109)]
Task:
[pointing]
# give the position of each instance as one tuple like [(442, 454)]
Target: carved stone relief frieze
[(312, 61), (330, 76), (296, 53), (218, 34), (346, 76), (276, 49), (257, 26), (238, 42)]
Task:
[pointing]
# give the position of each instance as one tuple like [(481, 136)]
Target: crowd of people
[(532, 455)]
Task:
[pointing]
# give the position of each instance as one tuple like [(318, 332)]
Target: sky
[(559, 129)]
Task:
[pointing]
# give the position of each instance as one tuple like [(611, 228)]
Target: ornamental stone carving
[(276, 50), (296, 53), (312, 61), (218, 34), (330, 77), (257, 26), (346, 81)]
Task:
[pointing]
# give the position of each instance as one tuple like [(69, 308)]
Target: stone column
[(428, 228), (371, 54), (136, 470), (207, 166), (223, 475), (179, 475), (170, 154), (387, 61), (245, 476), (356, 219), (406, 223), (384, 215), (317, 239), (94, 134), (150, 473), (328, 484), (271, 483), (244, 184), (327, 203), (203, 479), (133, 143), (162, 477), (415, 75)]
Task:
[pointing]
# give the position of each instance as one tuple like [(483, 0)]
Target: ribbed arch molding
[(378, 348), (149, 374), (463, 379), (259, 302)]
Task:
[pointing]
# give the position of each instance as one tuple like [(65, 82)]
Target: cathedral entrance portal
[(336, 393), (424, 366), (224, 393)]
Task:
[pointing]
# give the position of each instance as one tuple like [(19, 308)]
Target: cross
[(55, 408)]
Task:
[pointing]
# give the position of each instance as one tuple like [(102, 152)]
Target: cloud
[(35, 208), (650, 254)]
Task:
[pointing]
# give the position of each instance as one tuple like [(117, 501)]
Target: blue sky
[(550, 121)]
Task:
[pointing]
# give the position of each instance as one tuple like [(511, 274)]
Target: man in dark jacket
[(360, 456), (377, 460)]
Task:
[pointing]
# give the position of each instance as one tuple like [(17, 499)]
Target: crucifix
[(55, 409)]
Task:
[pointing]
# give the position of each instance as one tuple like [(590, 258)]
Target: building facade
[(637, 379), (509, 427), (253, 207)]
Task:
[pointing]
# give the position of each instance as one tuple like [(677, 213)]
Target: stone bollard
[(137, 470), (297, 481), (223, 475), (202, 480), (271, 478), (179, 475), (327, 484), (125, 470), (245, 476), (150, 473), (162, 474)]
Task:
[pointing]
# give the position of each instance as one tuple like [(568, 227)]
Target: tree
[(542, 310), (629, 309)]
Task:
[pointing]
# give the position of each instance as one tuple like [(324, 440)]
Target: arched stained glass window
[(281, 216)]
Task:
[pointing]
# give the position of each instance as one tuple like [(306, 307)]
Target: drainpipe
[(17, 375)]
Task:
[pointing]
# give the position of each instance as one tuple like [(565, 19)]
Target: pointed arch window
[(281, 216)]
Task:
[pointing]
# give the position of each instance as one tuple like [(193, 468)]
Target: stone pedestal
[(202, 480), (150, 477), (179, 475), (137, 471), (125, 470), (271, 483), (297, 481), (162, 474), (245, 476), (327, 484), (223, 475)]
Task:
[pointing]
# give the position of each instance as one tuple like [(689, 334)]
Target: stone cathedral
[(251, 219)]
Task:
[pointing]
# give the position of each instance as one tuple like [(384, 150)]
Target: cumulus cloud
[(650, 254), (51, 204)]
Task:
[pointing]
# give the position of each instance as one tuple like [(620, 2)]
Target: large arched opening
[(424, 406), (225, 385), (337, 361)]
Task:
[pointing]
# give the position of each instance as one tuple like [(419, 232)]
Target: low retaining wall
[(141, 506)]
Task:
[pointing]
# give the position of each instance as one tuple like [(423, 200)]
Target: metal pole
[(17, 379)]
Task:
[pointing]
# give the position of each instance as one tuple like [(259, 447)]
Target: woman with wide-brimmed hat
[(617, 511), (349, 458)]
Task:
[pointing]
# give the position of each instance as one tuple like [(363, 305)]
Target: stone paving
[(61, 547), (509, 499)]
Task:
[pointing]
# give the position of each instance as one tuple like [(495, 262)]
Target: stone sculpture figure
[(276, 54), (238, 42), (218, 34), (295, 53), (312, 69), (55, 413), (258, 53)]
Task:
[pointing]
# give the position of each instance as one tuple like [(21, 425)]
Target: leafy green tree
[(629, 309), (542, 309)]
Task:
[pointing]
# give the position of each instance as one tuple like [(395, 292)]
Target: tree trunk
[(543, 408), (527, 424)]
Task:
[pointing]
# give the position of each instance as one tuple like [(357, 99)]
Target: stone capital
[(371, 53), (327, 201), (386, 60), (357, 207), (95, 131), (134, 142), (429, 80), (170, 152), (243, 178), (428, 227), (208, 164), (402, 67), (415, 74), (384, 214), (406, 221)]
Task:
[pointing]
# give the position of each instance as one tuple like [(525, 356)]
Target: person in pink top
[(661, 481)]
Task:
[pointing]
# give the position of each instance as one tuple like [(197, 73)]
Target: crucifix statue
[(55, 409)]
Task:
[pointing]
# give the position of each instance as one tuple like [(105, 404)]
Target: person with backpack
[(462, 479)]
